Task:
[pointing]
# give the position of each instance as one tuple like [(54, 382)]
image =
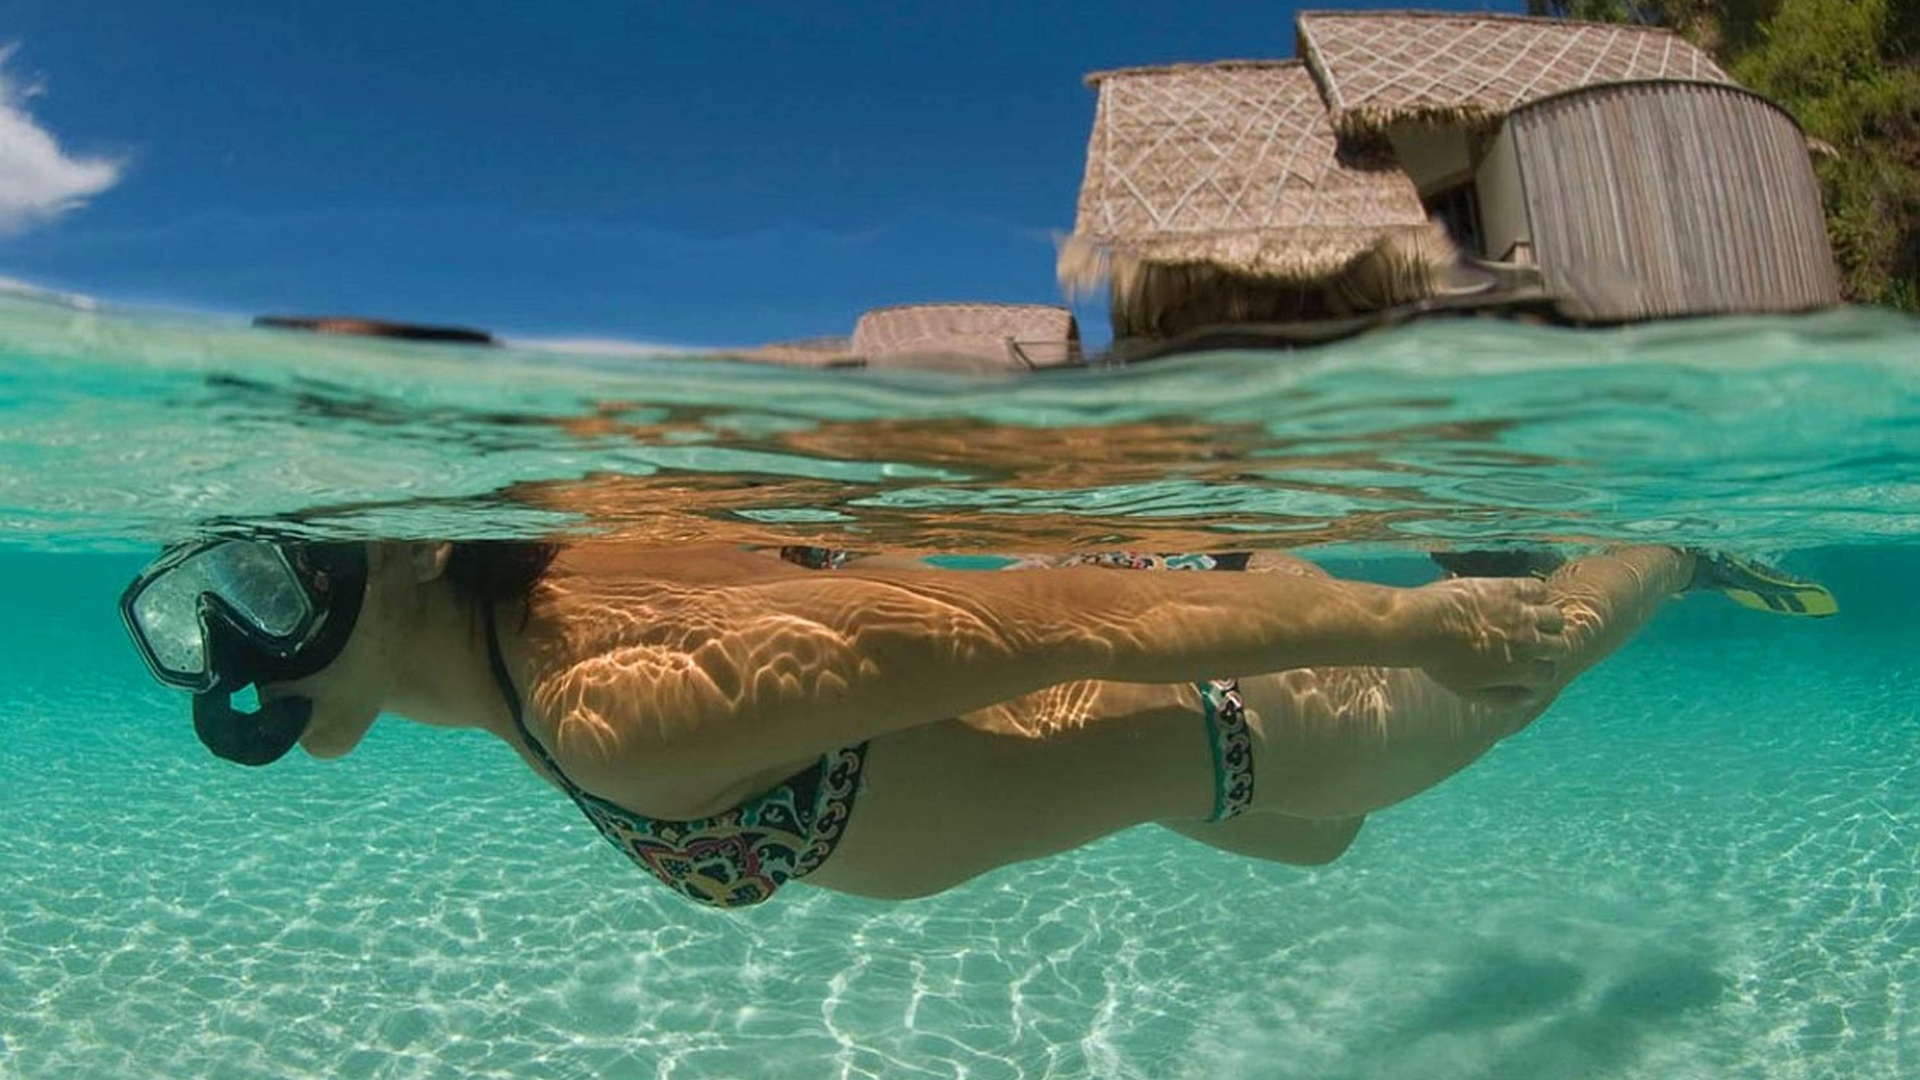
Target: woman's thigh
[(1339, 742), (1044, 774), (1282, 838)]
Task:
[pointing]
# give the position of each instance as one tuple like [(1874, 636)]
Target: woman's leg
[(1282, 838), (1114, 707), (1331, 744), (1259, 834), (1336, 743)]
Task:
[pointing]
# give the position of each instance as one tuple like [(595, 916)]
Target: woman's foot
[(1754, 584), (1747, 582)]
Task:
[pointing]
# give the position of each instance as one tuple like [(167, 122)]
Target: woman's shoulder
[(621, 633), (610, 693)]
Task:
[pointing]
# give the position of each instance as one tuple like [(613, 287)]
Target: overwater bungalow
[(827, 351), (968, 337), (1407, 159), (975, 337)]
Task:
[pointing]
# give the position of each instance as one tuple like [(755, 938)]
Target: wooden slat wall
[(1659, 199)]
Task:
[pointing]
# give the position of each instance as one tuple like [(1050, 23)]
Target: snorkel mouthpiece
[(250, 738)]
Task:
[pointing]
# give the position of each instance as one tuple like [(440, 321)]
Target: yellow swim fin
[(1761, 587)]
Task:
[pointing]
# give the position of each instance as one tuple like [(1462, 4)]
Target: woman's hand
[(1493, 640)]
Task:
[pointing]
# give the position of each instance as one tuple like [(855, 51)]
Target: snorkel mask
[(216, 616)]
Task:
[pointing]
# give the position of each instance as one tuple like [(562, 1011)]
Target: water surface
[(1701, 863)]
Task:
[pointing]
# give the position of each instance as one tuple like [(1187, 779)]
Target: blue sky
[(697, 173)]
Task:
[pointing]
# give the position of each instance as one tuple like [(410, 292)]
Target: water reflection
[(1323, 472), (1416, 438)]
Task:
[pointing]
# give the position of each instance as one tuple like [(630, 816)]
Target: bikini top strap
[(507, 690)]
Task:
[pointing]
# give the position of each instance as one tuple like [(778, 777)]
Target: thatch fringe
[(1368, 124), (1297, 256), (1083, 266), (1161, 290)]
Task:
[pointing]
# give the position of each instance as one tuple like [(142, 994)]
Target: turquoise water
[(1704, 862)]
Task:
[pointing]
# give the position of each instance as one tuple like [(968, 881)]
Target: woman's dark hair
[(492, 571)]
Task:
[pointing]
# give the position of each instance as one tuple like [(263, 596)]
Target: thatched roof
[(967, 335), (1382, 68), (1230, 164), (805, 352)]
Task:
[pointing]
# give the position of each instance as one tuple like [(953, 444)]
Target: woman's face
[(349, 693)]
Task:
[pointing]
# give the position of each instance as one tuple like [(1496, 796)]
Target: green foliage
[(1823, 59), (1849, 71), (1708, 22), (1838, 66), (1592, 10)]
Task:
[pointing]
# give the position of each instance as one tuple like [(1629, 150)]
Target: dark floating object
[(352, 324)]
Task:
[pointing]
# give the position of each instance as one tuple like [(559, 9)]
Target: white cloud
[(38, 181)]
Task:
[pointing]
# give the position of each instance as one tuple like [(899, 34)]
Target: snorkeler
[(736, 719)]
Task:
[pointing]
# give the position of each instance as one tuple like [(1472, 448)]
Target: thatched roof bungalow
[(978, 337), (1618, 162), (1218, 193), (803, 352), (967, 337)]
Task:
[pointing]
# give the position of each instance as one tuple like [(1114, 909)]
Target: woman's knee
[(1281, 838), (1322, 841)]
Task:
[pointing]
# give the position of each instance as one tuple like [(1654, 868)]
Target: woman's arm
[(775, 669)]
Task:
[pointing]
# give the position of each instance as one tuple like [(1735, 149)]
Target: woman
[(734, 721)]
